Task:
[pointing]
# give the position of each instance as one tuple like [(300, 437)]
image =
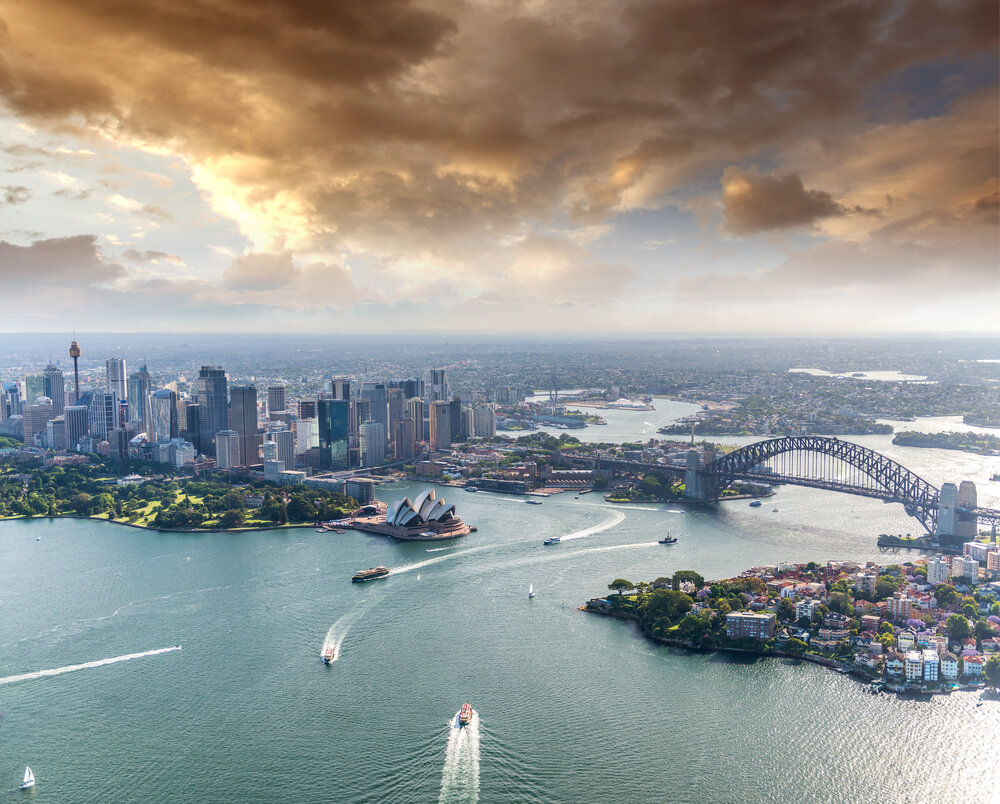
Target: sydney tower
[(74, 352)]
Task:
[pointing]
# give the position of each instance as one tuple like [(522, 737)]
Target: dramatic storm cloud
[(505, 164)]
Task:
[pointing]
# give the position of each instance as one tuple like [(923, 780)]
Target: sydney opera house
[(426, 518)]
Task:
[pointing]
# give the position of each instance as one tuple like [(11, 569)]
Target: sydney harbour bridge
[(951, 512)]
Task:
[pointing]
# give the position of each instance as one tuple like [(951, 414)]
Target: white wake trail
[(430, 561), (460, 777), (338, 631), (71, 668), (616, 518)]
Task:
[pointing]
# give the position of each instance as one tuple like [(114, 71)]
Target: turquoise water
[(570, 707)]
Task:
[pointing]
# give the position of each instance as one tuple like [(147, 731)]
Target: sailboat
[(531, 591), (29, 778)]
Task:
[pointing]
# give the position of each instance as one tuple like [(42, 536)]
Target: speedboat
[(328, 655), (552, 540), (29, 778), (465, 715), (533, 502), (755, 503)]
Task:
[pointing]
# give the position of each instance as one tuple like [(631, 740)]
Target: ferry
[(552, 540), (755, 503), (370, 574), (328, 655), (668, 540), (465, 715)]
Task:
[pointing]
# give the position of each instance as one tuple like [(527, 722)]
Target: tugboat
[(369, 574), (465, 715), (552, 540), (668, 539), (328, 655)]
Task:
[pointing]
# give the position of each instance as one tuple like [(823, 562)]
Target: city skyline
[(633, 167)]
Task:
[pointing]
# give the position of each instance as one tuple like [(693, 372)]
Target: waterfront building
[(949, 666), (931, 662), (965, 567), (276, 399), (895, 663), (973, 666), (333, 417), (937, 570), (115, 374), (213, 395), (243, 419), (440, 425), (746, 625), (914, 665), (484, 421), (77, 425), (227, 449), (900, 606), (140, 411), (103, 414), (54, 386), (163, 415), (373, 443), (361, 489)]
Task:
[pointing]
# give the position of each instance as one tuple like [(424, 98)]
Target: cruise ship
[(370, 574)]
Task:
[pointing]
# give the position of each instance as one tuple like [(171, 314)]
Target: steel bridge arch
[(891, 481)]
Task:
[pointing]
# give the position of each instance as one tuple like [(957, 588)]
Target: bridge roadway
[(987, 516)]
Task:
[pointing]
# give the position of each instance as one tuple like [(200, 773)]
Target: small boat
[(755, 503), (531, 591), (533, 502), (38, 538), (465, 715), (668, 539), (29, 778), (552, 540), (328, 655), (774, 510), (339, 530), (471, 488), (369, 574), (321, 530)]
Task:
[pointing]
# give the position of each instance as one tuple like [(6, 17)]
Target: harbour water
[(570, 707)]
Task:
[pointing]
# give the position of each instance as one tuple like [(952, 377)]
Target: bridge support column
[(694, 488)]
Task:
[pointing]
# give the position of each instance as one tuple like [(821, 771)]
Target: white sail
[(29, 778), (531, 590)]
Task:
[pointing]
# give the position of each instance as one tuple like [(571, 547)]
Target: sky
[(528, 166)]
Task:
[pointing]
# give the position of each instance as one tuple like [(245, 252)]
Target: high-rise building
[(163, 415), (333, 421), (34, 387), (227, 449), (416, 409), (77, 425), (397, 409), (440, 421), (243, 419), (11, 401), (36, 416), (377, 395), (276, 399), (307, 409), (373, 443), (340, 387), (485, 421), (213, 399), (405, 439), (285, 440), (140, 412), (115, 371), (306, 435), (269, 451), (440, 390), (456, 418), (103, 414), (937, 570), (55, 433), (55, 388)]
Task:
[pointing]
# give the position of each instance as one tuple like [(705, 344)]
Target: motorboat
[(552, 540), (755, 503), (533, 502), (465, 715), (328, 655)]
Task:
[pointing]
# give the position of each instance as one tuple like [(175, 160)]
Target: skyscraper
[(55, 388), (36, 416), (405, 439), (333, 416), (373, 443), (213, 399), (340, 387), (34, 387), (276, 398), (11, 400), (456, 418), (397, 408), (140, 414), (416, 409), (439, 386), (55, 433), (103, 414), (77, 425), (163, 415), (227, 449), (484, 421), (114, 368), (440, 420), (285, 439), (243, 419)]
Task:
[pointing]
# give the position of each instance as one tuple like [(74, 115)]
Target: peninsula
[(966, 442), (925, 627)]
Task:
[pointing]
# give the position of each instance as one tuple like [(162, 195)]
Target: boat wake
[(338, 631), (428, 562), (439, 549), (460, 777), (70, 668), (616, 518)]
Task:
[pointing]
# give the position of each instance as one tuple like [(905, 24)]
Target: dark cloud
[(753, 203), (59, 261), (14, 194)]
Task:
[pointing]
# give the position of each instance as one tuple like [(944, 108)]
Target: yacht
[(531, 591), (29, 778)]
